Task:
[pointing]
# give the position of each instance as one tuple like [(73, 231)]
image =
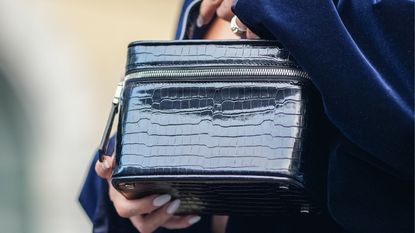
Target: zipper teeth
[(217, 73)]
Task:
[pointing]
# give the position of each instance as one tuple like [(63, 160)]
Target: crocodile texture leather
[(222, 147), (213, 126), (219, 53)]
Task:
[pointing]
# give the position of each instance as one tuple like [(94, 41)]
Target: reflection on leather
[(213, 126)]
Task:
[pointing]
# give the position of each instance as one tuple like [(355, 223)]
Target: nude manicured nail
[(173, 206), (194, 220), (199, 21), (161, 200), (105, 165)]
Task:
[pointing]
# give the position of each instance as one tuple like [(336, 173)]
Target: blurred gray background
[(60, 62)]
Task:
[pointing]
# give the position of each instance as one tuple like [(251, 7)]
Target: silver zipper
[(218, 72)]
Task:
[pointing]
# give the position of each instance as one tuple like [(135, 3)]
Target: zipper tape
[(197, 74)]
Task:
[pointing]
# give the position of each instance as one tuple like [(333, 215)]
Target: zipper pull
[(102, 150)]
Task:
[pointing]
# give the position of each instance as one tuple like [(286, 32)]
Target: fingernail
[(194, 220), (173, 206), (199, 21), (161, 200), (105, 165)]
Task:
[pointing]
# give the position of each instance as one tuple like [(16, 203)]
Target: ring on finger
[(236, 29)]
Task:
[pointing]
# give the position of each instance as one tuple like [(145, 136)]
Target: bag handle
[(102, 149)]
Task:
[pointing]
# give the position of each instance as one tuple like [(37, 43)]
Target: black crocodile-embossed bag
[(229, 127)]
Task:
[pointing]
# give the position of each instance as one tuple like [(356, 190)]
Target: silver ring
[(235, 29)]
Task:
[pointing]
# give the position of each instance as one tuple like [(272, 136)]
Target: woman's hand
[(148, 213), (223, 10)]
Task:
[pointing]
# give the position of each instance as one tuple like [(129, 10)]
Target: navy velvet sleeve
[(186, 3), (360, 55), (198, 33), (92, 186)]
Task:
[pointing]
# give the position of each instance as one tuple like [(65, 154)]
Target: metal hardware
[(284, 186), (118, 93), (305, 209), (129, 186), (184, 73)]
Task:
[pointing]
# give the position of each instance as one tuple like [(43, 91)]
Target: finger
[(152, 221), (251, 35), (224, 10), (178, 222), (104, 169), (240, 24), (128, 208), (206, 11), (114, 194)]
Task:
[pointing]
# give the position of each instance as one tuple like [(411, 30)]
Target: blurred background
[(60, 62)]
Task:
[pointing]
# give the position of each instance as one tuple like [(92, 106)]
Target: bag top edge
[(196, 42)]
